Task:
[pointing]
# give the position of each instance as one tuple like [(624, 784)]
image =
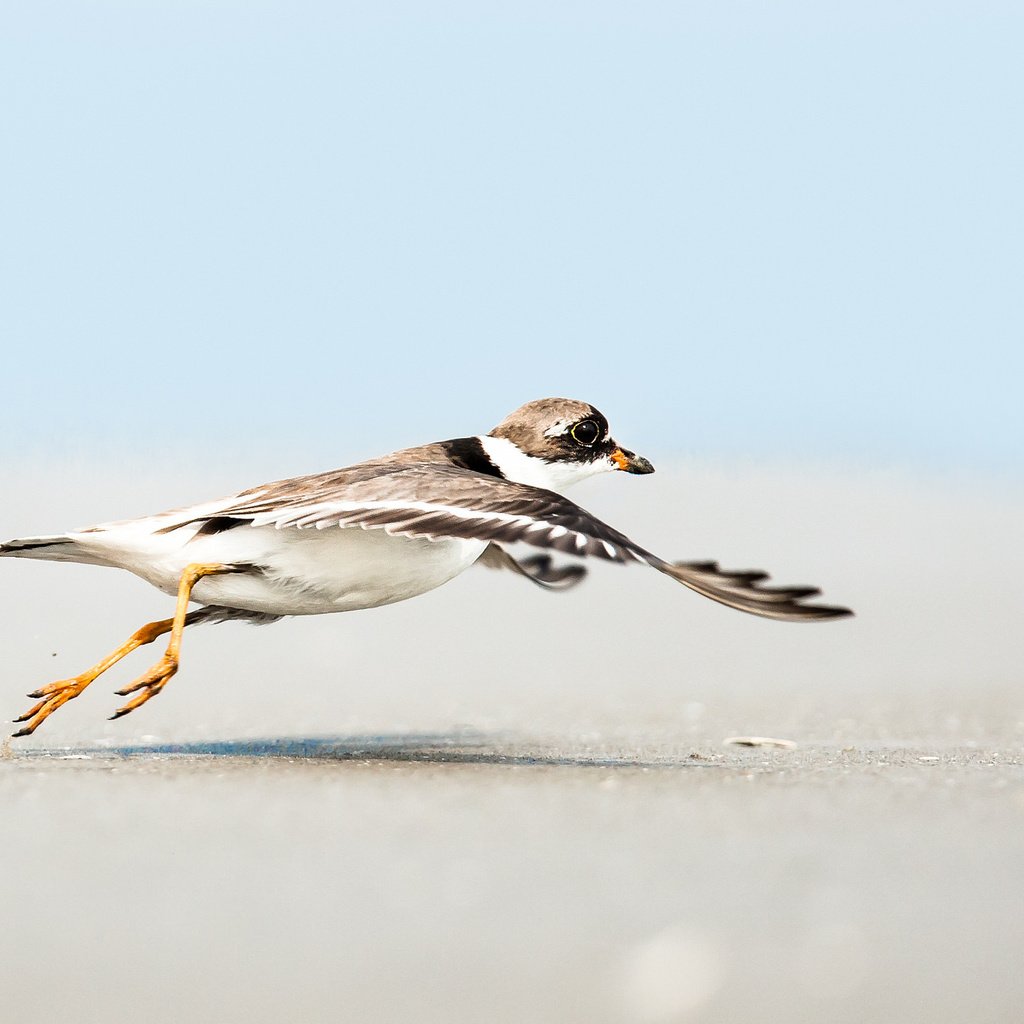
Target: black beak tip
[(630, 462)]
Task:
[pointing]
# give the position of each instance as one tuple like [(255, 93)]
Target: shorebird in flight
[(382, 531)]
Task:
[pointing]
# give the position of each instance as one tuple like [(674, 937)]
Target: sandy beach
[(539, 819)]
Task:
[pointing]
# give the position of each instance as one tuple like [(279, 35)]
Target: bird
[(382, 531)]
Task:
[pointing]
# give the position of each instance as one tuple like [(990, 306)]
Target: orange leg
[(55, 694), (152, 682)]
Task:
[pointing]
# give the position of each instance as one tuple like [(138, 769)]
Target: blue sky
[(771, 231)]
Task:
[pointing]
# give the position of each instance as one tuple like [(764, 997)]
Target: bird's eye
[(585, 432)]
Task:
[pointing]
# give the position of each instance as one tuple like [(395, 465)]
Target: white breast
[(306, 572)]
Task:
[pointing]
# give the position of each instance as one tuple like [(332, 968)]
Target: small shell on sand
[(759, 741)]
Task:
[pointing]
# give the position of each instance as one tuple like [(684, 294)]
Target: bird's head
[(556, 442)]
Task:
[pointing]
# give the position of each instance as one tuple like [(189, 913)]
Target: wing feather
[(538, 569), (439, 500)]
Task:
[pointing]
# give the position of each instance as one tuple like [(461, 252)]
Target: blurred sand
[(497, 804)]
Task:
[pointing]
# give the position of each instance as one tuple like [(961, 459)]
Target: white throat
[(521, 468)]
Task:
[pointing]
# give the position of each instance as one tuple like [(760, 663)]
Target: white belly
[(305, 572)]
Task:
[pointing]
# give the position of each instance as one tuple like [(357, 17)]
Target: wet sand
[(494, 804)]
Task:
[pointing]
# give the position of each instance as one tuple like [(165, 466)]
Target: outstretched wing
[(439, 500), (433, 500)]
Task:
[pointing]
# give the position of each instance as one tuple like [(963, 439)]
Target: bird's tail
[(61, 548)]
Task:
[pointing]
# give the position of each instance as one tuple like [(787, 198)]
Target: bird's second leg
[(150, 683)]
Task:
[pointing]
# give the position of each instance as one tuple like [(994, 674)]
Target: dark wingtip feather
[(745, 575), (543, 570), (834, 612), (539, 569), (698, 566), (740, 590)]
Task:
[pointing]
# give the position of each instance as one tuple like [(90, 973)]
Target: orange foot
[(53, 695), (149, 684), (56, 694)]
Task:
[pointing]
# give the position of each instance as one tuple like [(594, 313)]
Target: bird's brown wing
[(438, 500)]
